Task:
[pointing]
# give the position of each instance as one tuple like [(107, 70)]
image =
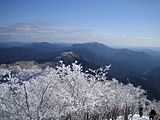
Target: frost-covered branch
[(66, 92)]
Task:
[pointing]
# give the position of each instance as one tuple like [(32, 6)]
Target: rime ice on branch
[(66, 92)]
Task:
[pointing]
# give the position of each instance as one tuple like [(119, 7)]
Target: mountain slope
[(13, 52), (136, 67), (124, 60)]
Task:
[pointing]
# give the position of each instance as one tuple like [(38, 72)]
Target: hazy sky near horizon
[(113, 22)]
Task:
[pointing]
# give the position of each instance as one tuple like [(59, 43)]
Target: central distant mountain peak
[(69, 54)]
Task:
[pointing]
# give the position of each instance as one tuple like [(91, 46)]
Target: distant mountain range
[(139, 67)]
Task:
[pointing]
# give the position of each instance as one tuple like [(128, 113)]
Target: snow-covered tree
[(156, 106), (65, 92)]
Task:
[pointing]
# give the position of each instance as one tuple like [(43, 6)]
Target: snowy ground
[(136, 117)]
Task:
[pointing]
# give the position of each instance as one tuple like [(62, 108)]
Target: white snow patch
[(135, 117)]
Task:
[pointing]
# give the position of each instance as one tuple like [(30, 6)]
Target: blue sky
[(113, 22)]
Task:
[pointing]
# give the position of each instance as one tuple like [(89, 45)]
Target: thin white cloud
[(146, 38), (51, 32), (33, 32)]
